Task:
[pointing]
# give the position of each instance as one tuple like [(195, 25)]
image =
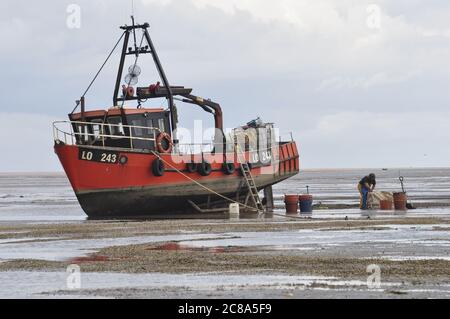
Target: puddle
[(355, 213), (176, 246), (60, 250), (405, 238), (23, 284), (403, 258), (305, 238), (27, 239)]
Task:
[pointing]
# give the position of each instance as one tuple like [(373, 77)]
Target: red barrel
[(386, 204), (400, 200), (291, 202)]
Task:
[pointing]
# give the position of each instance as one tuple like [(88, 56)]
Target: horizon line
[(304, 169)]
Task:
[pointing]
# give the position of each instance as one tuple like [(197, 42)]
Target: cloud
[(294, 62), (378, 79), (370, 139), (27, 143)]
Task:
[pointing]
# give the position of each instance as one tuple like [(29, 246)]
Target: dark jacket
[(368, 180)]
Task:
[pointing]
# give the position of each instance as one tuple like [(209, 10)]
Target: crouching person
[(365, 186)]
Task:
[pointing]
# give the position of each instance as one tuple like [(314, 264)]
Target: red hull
[(105, 189)]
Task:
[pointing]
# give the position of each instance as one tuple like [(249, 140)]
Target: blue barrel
[(306, 203)]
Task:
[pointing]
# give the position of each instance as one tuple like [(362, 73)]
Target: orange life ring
[(159, 143)]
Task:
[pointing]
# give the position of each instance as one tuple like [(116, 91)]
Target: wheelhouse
[(120, 127)]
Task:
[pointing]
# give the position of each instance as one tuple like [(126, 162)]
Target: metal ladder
[(248, 177)]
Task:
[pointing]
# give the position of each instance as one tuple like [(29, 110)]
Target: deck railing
[(98, 134)]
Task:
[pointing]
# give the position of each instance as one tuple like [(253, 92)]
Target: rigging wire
[(100, 70)]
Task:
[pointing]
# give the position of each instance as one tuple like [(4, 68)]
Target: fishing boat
[(125, 160)]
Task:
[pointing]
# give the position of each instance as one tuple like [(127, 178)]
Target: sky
[(358, 83)]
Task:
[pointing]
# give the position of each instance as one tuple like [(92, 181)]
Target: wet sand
[(413, 255), (325, 255)]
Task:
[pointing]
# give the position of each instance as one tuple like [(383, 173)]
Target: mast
[(164, 80), (121, 64), (147, 49), (147, 92)]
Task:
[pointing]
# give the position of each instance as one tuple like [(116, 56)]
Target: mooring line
[(216, 193), (201, 185)]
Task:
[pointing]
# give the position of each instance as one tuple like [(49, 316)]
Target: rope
[(201, 185), (100, 70), (213, 191)]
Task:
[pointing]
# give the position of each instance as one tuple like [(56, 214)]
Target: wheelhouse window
[(142, 131), (116, 127), (82, 133), (145, 128), (161, 125), (96, 130)]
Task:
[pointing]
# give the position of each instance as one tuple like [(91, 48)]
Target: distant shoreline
[(55, 173)]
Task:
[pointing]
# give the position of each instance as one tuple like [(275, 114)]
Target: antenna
[(133, 10)]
